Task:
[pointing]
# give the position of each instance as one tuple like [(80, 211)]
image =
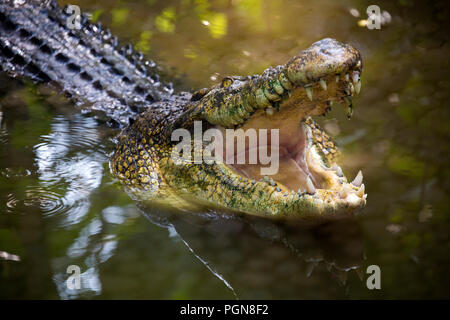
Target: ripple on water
[(69, 165), (49, 201), (80, 133)]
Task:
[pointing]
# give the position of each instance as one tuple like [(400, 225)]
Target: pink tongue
[(292, 170), (289, 173)]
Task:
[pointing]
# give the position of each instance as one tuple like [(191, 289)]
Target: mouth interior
[(293, 169), (296, 161)]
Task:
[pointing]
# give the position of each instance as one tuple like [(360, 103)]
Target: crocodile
[(89, 66)]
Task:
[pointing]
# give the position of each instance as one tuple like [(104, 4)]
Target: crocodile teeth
[(323, 84), (352, 89), (310, 186), (337, 78), (309, 92), (352, 199), (347, 77), (358, 179), (356, 82), (269, 111), (361, 190), (299, 191), (338, 170), (358, 87)]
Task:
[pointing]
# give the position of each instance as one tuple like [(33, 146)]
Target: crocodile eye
[(226, 82)]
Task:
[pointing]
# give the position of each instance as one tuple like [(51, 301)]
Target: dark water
[(60, 206)]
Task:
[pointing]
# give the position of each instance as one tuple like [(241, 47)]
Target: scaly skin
[(88, 65), (143, 159)]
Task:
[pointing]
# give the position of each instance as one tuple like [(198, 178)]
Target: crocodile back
[(44, 43)]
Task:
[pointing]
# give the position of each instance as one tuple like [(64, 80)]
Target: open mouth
[(308, 85), (280, 102), (305, 153)]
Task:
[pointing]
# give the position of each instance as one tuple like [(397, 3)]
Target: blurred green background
[(59, 204)]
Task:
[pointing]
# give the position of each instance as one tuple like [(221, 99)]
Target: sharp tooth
[(358, 179), (358, 87), (345, 191), (269, 111), (286, 193), (337, 78), (338, 170), (361, 190), (299, 191), (352, 89), (272, 183), (310, 186), (309, 92), (266, 178), (323, 84), (278, 189), (355, 78), (347, 77), (352, 200)]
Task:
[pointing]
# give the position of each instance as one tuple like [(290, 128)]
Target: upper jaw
[(328, 71)]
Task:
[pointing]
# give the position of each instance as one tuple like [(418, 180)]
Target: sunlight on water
[(60, 206)]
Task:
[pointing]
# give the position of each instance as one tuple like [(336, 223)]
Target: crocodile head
[(307, 183)]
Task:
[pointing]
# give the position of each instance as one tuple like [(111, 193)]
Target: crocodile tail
[(46, 44)]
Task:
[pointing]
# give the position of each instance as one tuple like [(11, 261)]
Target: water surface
[(60, 206)]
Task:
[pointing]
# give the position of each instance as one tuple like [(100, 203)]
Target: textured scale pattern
[(87, 63)]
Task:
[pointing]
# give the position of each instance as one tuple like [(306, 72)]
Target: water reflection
[(259, 258), (59, 205), (68, 172)]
